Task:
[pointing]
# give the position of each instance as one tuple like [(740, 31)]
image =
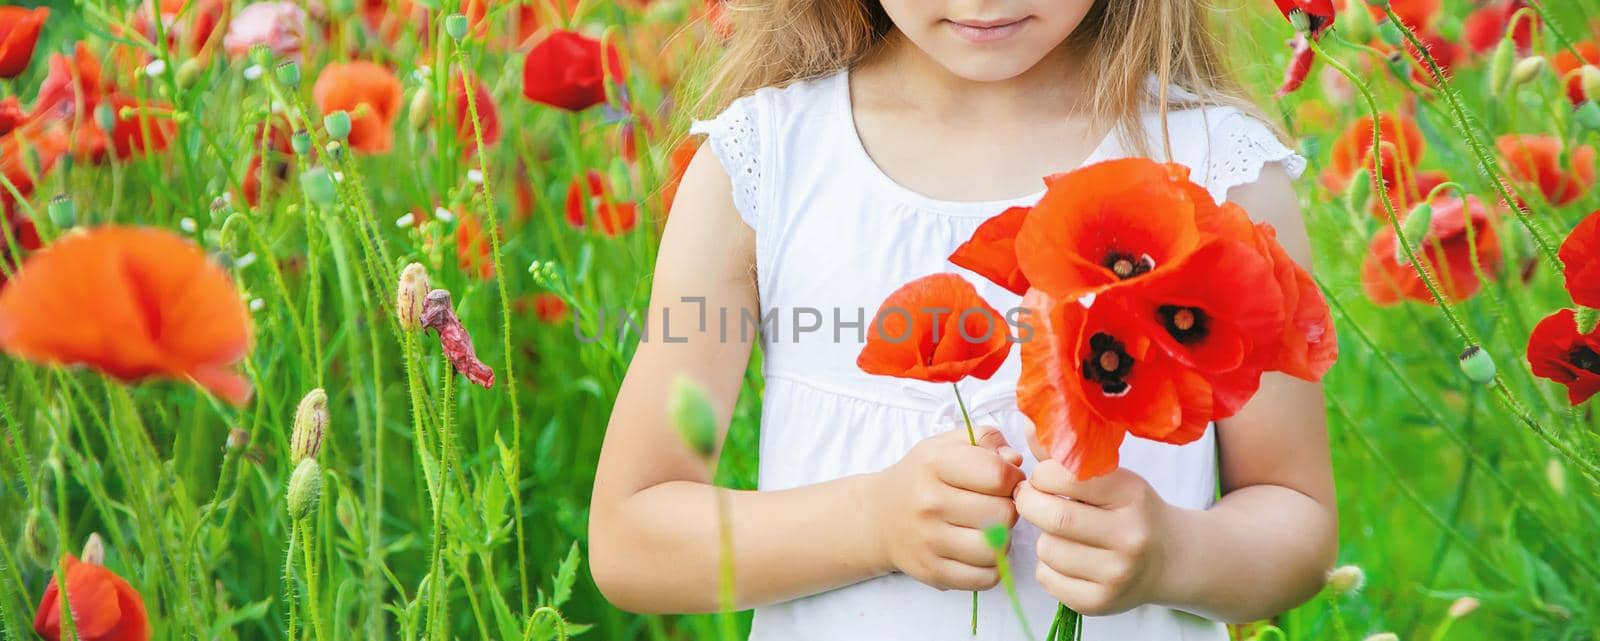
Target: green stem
[(972, 438)]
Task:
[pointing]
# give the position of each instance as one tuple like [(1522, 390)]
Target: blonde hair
[(778, 42)]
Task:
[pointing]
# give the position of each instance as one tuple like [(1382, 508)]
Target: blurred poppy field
[(310, 308)]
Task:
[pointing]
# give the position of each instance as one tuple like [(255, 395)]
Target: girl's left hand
[(1103, 551)]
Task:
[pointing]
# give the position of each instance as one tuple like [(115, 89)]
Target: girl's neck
[(1049, 89)]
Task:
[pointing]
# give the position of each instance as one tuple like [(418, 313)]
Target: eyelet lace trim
[(733, 139), (1241, 147)]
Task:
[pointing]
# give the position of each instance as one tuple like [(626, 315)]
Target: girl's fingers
[(977, 470), (1079, 561), (978, 511), (1065, 517), (1083, 596), (966, 546), (1116, 488), (950, 574)]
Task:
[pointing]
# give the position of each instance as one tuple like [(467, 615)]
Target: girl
[(869, 138)]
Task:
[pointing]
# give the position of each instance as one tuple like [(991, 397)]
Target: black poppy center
[(1189, 325), (1127, 266), (1585, 359), (1108, 364)]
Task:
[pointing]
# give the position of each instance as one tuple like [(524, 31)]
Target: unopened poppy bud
[(1476, 363), (1556, 475), (421, 108), (1500, 64), (1589, 79), (63, 214), (455, 25), (310, 422), (414, 288), (690, 409), (94, 550), (334, 148), (319, 186), (1346, 579), (300, 142), (1389, 32), (996, 536), (1357, 26), (289, 74), (1588, 115), (105, 117), (305, 487), (190, 71), (33, 543), (345, 512), (337, 124), (261, 55), (1527, 70), (1359, 189), (1383, 636), (237, 438), (1463, 607), (1414, 227)]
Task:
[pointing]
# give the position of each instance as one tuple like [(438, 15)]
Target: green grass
[(444, 513)]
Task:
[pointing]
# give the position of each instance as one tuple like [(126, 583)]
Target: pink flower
[(278, 25)]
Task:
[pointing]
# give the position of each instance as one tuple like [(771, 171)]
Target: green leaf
[(565, 575)]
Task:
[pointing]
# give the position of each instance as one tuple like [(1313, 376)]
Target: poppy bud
[(1357, 26), (1346, 579), (319, 186), (414, 288), (1389, 32), (261, 55), (289, 74), (190, 71), (337, 124), (1360, 189), (1527, 70), (94, 550), (455, 25), (63, 214), (33, 543), (237, 438), (1500, 63), (1414, 228), (1477, 365), (1556, 475), (1588, 115), (1589, 79), (996, 536), (1463, 607), (105, 117), (305, 486), (690, 409), (345, 512), (421, 108), (300, 142), (310, 422), (334, 148)]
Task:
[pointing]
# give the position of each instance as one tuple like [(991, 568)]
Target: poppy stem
[(1003, 564), (971, 438)]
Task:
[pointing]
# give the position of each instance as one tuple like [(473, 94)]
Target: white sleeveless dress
[(834, 236)]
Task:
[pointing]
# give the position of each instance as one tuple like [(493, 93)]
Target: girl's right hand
[(931, 508)]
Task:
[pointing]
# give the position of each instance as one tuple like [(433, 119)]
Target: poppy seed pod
[(63, 213), (455, 25), (261, 55), (1588, 115), (319, 186), (1527, 69), (413, 290), (1346, 579), (690, 409), (310, 423), (1500, 63), (337, 124), (289, 74), (1360, 189), (305, 487), (190, 71), (421, 109), (1477, 365), (300, 142), (996, 536)]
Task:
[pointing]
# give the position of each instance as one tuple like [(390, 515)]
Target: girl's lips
[(981, 31)]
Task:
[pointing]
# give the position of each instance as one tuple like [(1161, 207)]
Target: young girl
[(867, 139)]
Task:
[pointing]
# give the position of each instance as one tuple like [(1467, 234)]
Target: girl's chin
[(986, 66)]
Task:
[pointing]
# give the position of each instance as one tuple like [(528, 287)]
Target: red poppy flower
[(1090, 376), (678, 165), (591, 195), (189, 23), (73, 85), (1417, 14), (991, 252), (936, 329), (1094, 227), (1536, 160), (1444, 51), (1353, 150), (1319, 12), (1487, 25), (371, 95), (1445, 251), (565, 71), (1557, 351), (275, 163), (488, 114), (1299, 66), (132, 302), (549, 308), (1566, 64), (103, 606), (1580, 256), (1307, 344), (19, 33), (474, 253)]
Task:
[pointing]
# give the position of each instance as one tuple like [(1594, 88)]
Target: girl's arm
[(1262, 549), (653, 526)]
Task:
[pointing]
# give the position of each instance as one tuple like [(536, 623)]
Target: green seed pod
[(1476, 363), (310, 424), (1527, 70), (456, 25), (1360, 189), (1300, 21), (337, 124), (63, 214), (105, 117), (1389, 32), (1357, 26), (1500, 63), (334, 148), (690, 409), (1415, 228), (421, 109), (414, 288), (300, 142), (1346, 579), (996, 536), (305, 487), (261, 55), (1589, 79), (189, 72), (319, 186), (1588, 115), (289, 74)]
